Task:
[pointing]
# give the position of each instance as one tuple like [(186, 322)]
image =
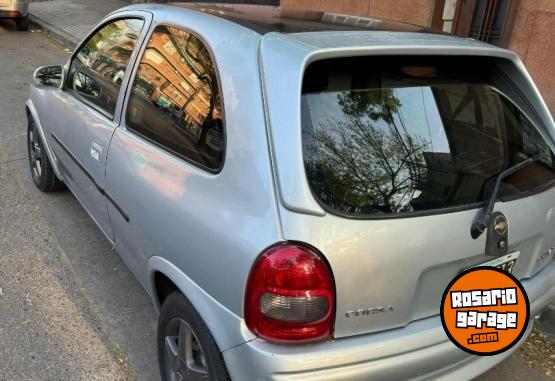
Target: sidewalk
[(69, 21)]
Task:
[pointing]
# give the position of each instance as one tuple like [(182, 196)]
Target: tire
[(41, 169), (22, 23), (179, 319)]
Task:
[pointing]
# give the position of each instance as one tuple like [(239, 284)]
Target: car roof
[(264, 19)]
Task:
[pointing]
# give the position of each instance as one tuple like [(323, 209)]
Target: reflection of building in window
[(109, 51), (103, 61), (176, 68), (175, 99)]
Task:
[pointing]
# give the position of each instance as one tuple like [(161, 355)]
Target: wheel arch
[(228, 329)]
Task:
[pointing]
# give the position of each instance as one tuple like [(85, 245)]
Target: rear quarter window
[(396, 136), (175, 98)]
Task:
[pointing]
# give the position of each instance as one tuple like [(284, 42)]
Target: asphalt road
[(112, 325), (69, 307)]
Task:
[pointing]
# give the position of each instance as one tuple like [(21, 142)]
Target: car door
[(170, 142), (90, 106)]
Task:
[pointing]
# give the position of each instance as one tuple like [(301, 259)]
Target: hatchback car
[(296, 189), (16, 10)]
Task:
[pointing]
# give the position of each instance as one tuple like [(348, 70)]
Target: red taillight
[(290, 295)]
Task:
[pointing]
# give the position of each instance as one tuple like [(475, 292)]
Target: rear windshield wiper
[(482, 223)]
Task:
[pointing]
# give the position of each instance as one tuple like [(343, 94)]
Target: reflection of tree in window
[(384, 179), (379, 139), (85, 85)]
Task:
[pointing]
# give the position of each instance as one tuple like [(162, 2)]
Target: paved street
[(69, 307), (86, 313)]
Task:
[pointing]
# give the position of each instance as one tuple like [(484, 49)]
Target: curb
[(53, 31)]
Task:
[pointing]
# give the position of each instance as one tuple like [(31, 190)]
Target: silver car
[(17, 10), (296, 189)]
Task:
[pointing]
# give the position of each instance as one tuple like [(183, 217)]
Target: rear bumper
[(421, 350), (15, 10)]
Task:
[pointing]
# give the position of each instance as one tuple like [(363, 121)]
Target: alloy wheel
[(185, 359)]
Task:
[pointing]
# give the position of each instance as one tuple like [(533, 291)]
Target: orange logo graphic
[(485, 311)]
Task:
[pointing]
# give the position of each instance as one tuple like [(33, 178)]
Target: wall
[(533, 38), (412, 11)]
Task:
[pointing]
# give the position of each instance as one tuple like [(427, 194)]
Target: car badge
[(497, 240), (500, 224)]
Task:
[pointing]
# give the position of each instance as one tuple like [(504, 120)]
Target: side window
[(97, 71), (175, 99)]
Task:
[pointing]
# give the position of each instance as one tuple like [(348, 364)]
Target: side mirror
[(49, 76)]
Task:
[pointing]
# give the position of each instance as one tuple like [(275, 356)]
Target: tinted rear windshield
[(399, 136)]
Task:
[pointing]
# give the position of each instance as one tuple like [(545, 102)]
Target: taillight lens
[(290, 295)]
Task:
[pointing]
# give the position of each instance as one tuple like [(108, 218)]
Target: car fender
[(32, 113), (228, 329)]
